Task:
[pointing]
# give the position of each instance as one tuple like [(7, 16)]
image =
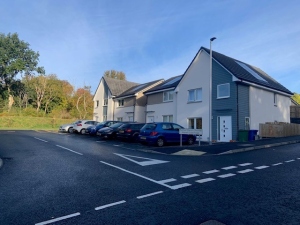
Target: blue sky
[(80, 39)]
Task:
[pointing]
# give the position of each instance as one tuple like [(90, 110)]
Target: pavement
[(226, 148)]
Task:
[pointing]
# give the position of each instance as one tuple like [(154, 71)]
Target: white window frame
[(105, 101), (194, 122), (218, 91), (121, 103), (168, 96), (247, 123), (167, 118), (193, 92), (120, 119)]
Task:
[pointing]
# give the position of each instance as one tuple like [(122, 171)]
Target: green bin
[(243, 135)]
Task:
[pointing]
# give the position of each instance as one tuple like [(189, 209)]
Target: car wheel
[(82, 131), (70, 130), (190, 140), (160, 142)]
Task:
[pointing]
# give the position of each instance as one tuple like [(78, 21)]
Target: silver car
[(68, 127), (83, 125)]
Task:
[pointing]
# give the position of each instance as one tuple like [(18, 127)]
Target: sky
[(78, 40)]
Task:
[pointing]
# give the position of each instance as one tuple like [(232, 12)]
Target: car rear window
[(149, 126)]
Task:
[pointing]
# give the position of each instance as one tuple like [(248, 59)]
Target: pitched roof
[(246, 72), (133, 90), (170, 83), (116, 86)]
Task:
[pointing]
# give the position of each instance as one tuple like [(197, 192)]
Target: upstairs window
[(121, 102), (105, 101), (223, 91), (195, 95), (168, 96), (97, 103)]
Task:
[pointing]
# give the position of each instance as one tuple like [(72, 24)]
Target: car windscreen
[(149, 126), (116, 125)]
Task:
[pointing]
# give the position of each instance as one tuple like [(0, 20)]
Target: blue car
[(92, 130), (161, 133)]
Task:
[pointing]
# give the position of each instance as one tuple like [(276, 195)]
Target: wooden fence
[(278, 129)]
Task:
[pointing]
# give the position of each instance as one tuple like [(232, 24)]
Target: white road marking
[(110, 205), (166, 181), (147, 178), (227, 175), (229, 167), (148, 195), (40, 139), (69, 150), (11, 131), (290, 161), (245, 171), (190, 176), (205, 180), (211, 171), (175, 187), (245, 164), (261, 167), (146, 162), (58, 219), (277, 164), (100, 141), (298, 158)]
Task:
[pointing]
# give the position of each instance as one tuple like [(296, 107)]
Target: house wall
[(262, 107), (101, 93), (243, 105), (197, 76), (162, 109), (223, 106), (139, 115), (124, 112), (155, 98)]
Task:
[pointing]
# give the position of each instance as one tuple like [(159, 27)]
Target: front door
[(225, 129)]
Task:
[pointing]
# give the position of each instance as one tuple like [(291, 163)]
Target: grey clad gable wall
[(243, 105), (225, 106)]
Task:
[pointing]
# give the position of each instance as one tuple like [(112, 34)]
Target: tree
[(115, 74), (16, 58), (296, 98), (83, 102)]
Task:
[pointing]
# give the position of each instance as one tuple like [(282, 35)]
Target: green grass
[(31, 123)]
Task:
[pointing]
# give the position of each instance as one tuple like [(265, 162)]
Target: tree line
[(25, 89)]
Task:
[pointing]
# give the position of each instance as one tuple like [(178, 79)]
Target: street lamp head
[(213, 38)]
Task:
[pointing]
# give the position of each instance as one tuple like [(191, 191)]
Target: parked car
[(110, 132), (161, 133), (92, 130), (68, 127), (129, 131), (83, 125)]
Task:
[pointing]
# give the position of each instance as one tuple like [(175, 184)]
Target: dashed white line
[(211, 171), (205, 180), (166, 181), (100, 141), (227, 175), (277, 164), (148, 195), (229, 167), (40, 139), (110, 205), (58, 219), (290, 161), (261, 167), (175, 187), (245, 164), (245, 171), (190, 176), (69, 150)]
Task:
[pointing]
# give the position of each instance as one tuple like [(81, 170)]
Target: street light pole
[(210, 92)]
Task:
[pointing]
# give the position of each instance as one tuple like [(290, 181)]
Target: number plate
[(143, 138)]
